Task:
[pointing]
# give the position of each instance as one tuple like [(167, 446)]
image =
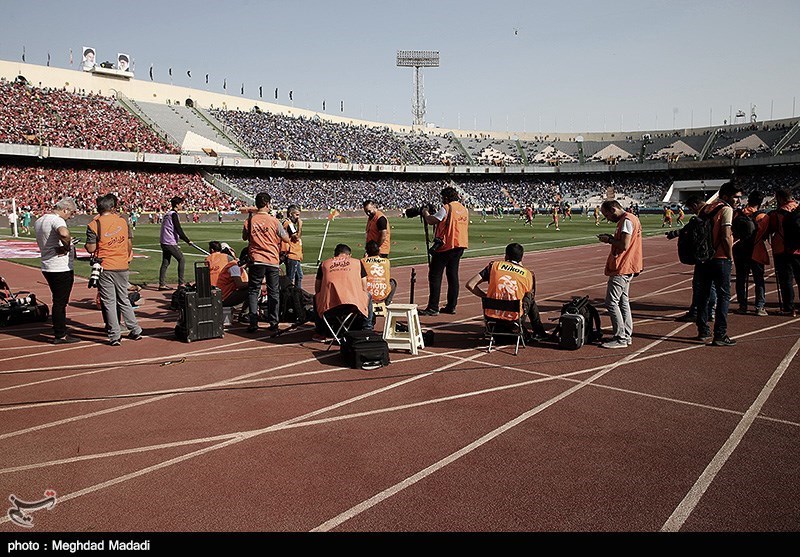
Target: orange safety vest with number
[(378, 275), (508, 281)]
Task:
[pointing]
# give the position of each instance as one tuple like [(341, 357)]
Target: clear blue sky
[(576, 65)]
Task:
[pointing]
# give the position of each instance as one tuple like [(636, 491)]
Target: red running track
[(248, 433)]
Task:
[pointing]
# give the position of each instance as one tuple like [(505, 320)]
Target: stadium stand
[(56, 117), (40, 187)]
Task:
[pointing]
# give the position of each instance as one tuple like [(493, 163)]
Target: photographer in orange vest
[(109, 239), (377, 228), (342, 281), (509, 280), (452, 238)]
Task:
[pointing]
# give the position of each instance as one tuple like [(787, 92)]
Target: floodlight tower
[(418, 59)]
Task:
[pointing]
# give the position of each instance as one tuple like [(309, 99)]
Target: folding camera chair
[(339, 320), (497, 327)]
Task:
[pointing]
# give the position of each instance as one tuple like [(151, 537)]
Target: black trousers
[(444, 262), (60, 286), (167, 253)]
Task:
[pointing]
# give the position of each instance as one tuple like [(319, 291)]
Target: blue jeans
[(787, 267), (712, 299), (714, 275), (744, 266), (294, 272)]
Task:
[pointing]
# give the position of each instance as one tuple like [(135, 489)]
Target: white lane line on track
[(422, 474), (200, 439), (692, 498), (244, 437), (452, 355)]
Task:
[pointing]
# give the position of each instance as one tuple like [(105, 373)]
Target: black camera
[(97, 269), (672, 234), (414, 212)]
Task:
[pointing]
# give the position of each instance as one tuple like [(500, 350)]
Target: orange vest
[(341, 284), (776, 227), (265, 243), (112, 242), (378, 275), (760, 253), (373, 234), (293, 249), (225, 280), (508, 281), (216, 261), (455, 230), (630, 261)]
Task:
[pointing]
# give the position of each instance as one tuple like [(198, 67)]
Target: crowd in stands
[(275, 136), (56, 117), (41, 187), (349, 193)]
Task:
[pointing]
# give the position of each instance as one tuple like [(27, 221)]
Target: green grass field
[(408, 240)]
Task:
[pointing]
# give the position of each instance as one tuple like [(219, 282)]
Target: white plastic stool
[(410, 340)]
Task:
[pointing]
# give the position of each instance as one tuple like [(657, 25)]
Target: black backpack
[(744, 227), (791, 229), (695, 239), (591, 318)]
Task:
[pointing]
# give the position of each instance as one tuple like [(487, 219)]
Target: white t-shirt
[(47, 237), (12, 217)]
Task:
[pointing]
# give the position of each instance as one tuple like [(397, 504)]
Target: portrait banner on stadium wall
[(123, 62), (89, 56)]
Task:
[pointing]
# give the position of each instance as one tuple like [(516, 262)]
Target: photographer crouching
[(109, 240), (451, 224)]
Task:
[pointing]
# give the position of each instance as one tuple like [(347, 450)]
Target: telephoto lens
[(94, 277)]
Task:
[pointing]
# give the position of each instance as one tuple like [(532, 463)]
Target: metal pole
[(322, 245)]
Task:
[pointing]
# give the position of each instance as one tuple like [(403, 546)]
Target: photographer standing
[(264, 234), (109, 239), (452, 238), (377, 228), (624, 263), (58, 258)]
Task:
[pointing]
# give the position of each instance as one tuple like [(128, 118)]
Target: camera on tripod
[(97, 270), (672, 234), (414, 212)]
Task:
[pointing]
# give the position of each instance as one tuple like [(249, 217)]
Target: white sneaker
[(615, 343)]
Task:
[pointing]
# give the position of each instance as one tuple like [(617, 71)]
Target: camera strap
[(97, 243)]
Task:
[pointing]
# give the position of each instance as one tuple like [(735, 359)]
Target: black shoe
[(724, 341), (705, 337), (252, 328), (135, 336), (429, 312), (687, 318), (66, 339), (273, 328), (447, 311), (115, 342)]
